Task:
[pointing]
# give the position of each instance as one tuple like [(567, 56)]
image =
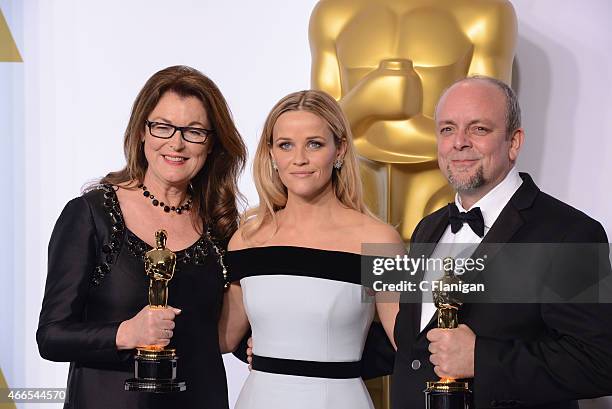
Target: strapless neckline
[(293, 249), (294, 261)]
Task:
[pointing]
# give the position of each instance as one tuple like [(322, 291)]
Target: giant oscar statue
[(387, 62), (154, 365)]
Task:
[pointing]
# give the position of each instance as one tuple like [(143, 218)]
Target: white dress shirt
[(491, 206)]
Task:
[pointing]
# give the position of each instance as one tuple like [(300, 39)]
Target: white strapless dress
[(309, 319)]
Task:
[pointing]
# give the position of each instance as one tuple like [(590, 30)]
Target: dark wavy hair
[(215, 189)]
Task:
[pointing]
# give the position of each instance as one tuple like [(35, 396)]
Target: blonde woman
[(297, 259)]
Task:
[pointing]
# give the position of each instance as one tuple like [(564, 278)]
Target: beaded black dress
[(96, 280)]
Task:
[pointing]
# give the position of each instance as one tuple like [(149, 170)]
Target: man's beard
[(474, 182)]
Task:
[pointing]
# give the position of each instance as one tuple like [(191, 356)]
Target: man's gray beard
[(472, 183)]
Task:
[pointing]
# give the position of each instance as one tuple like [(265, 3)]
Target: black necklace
[(164, 206)]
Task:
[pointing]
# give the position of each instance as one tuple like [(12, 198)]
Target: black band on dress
[(313, 369), (295, 261)]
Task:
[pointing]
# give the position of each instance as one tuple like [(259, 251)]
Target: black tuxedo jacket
[(526, 355)]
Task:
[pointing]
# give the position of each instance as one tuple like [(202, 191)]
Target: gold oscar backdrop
[(8, 49), (8, 53), (387, 62), (4, 386)]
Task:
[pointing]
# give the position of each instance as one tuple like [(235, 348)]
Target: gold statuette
[(447, 393), (155, 366), (159, 266)]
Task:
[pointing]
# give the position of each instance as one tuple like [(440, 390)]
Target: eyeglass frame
[(181, 129)]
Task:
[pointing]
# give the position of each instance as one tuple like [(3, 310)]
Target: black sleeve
[(378, 354), (63, 333), (571, 362)]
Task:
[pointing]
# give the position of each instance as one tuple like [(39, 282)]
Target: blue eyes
[(310, 145)]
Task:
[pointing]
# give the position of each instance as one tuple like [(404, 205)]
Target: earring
[(338, 163), (274, 165)]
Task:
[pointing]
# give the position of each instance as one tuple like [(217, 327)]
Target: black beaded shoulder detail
[(194, 254), (110, 248), (136, 247), (219, 249)]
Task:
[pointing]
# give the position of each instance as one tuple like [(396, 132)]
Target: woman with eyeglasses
[(183, 155), (295, 264)]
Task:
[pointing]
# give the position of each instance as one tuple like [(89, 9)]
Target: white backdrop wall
[(64, 109)]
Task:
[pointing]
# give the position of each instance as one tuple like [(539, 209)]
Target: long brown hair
[(215, 188), (346, 181)]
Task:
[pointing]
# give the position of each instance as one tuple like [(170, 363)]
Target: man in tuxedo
[(514, 355)]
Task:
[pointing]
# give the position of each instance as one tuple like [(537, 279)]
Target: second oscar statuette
[(447, 393), (154, 365)]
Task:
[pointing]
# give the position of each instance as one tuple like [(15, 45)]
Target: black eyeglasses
[(188, 133)]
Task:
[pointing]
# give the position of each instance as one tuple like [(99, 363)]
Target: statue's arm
[(493, 32), (326, 23)]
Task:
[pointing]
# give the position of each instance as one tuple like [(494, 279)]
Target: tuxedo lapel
[(507, 224), (502, 231), (423, 245), (430, 233)]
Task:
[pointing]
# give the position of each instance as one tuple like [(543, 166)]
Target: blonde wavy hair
[(346, 181)]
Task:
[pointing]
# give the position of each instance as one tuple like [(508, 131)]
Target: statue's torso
[(435, 36)]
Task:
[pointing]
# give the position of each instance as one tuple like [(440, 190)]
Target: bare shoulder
[(379, 238), (372, 230), (377, 231), (241, 240), (237, 242)]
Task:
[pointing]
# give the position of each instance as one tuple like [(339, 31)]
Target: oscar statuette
[(154, 365), (447, 393)]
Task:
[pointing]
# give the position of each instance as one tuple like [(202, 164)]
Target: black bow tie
[(473, 218)]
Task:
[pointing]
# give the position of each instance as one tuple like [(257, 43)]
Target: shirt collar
[(496, 199)]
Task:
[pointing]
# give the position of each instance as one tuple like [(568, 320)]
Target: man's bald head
[(513, 109)]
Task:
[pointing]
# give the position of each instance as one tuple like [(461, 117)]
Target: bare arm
[(233, 323), (387, 303)]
